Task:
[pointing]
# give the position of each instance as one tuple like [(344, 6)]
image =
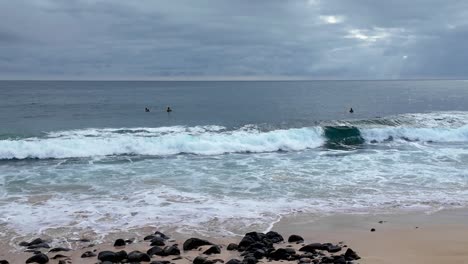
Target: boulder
[(234, 261), (149, 237), (137, 256), (58, 249), (38, 258), (212, 250), (295, 239), (282, 254), (156, 250), (232, 246), (88, 254), (351, 255), (121, 255), (249, 260), (159, 234), (157, 241), (275, 237), (40, 245), (194, 243), (36, 241), (200, 260), (172, 250), (312, 247), (108, 256), (119, 243)]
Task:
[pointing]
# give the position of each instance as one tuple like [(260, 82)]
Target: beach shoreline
[(406, 237)]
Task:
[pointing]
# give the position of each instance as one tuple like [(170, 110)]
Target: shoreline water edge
[(405, 237)]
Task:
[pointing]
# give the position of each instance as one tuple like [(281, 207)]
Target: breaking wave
[(215, 140)]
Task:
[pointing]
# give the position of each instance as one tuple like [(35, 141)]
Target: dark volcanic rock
[(172, 250), (38, 258), (282, 254), (249, 260), (121, 255), (40, 245), (351, 255), (58, 249), (108, 256), (259, 253), (245, 242), (200, 260), (312, 247), (137, 256), (4, 262), (88, 254), (327, 260), (212, 250), (149, 237), (58, 256), (159, 234), (275, 237), (160, 262), (194, 243), (234, 261), (157, 241), (295, 238), (254, 240), (24, 244), (155, 251), (372, 230), (339, 260), (36, 241), (119, 243), (333, 248), (232, 246)]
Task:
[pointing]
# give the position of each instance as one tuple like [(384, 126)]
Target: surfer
[(147, 109), (351, 110), (168, 109)]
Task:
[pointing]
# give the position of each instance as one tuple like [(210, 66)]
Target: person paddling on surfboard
[(351, 110), (168, 109)]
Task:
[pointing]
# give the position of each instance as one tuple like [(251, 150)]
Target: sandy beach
[(440, 237)]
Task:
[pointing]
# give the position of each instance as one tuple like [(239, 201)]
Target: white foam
[(159, 141)]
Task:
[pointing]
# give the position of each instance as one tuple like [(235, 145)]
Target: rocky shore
[(159, 248)]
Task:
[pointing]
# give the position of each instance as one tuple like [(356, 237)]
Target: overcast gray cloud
[(338, 39)]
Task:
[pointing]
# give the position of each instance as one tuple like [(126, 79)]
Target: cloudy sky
[(151, 39)]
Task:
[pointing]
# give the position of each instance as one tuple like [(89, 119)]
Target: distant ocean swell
[(216, 140)]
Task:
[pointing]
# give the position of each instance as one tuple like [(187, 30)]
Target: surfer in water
[(168, 109), (147, 109), (351, 110)]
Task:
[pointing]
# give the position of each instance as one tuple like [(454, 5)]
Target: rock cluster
[(252, 248)]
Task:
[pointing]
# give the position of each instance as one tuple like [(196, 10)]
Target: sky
[(237, 39)]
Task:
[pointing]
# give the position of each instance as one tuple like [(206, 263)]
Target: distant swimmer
[(168, 109), (351, 110), (147, 109)]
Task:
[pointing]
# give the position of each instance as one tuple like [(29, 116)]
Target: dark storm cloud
[(208, 38)]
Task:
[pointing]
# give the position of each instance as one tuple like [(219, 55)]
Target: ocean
[(84, 157)]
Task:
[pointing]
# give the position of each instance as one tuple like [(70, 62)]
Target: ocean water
[(85, 156)]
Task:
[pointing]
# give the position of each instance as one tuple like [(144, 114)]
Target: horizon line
[(226, 79)]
